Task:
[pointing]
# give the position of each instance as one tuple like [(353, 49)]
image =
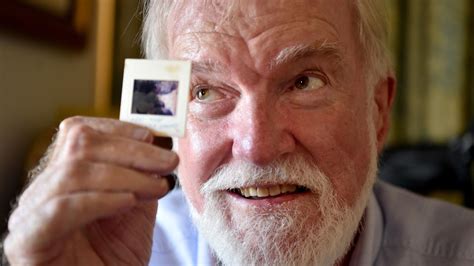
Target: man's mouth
[(268, 191)]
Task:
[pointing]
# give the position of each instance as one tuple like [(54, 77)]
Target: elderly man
[(289, 108)]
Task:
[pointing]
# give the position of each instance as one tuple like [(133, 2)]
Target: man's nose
[(261, 132)]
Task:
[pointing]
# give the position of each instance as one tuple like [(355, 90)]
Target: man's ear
[(384, 96)]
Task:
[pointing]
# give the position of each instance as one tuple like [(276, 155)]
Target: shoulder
[(418, 229)]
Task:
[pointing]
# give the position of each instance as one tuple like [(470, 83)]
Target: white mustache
[(295, 170)]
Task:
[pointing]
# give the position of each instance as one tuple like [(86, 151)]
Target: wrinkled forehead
[(248, 18)]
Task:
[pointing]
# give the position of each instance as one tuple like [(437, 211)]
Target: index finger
[(108, 126)]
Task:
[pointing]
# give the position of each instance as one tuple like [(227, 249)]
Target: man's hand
[(95, 202)]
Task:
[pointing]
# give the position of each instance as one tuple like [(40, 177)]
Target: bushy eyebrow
[(286, 55), (208, 67), (297, 52)]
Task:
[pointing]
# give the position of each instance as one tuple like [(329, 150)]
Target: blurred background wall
[(430, 149), (49, 72), (432, 43), (37, 79)]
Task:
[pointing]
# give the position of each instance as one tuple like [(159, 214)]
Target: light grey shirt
[(399, 228), (402, 228)]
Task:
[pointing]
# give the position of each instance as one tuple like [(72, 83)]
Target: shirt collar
[(370, 238)]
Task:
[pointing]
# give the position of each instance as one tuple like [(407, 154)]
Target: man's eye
[(207, 94), (202, 94), (308, 83)]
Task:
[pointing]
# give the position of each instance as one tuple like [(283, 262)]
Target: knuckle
[(79, 131), (56, 205), (81, 140), (100, 170), (9, 247), (68, 177), (60, 178), (70, 121), (11, 220), (72, 168)]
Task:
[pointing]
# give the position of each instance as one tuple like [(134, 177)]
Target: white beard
[(315, 231)]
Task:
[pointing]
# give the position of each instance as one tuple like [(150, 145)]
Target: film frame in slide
[(155, 94)]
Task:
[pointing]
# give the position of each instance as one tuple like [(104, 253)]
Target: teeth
[(274, 190), (261, 192), (252, 192)]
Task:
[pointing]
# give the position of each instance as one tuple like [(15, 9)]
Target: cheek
[(201, 151), (356, 154), (340, 146)]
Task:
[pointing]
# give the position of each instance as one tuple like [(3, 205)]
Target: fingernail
[(140, 133), (171, 157)]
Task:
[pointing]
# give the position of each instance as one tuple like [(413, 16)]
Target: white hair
[(373, 37), (372, 25), (154, 32)]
